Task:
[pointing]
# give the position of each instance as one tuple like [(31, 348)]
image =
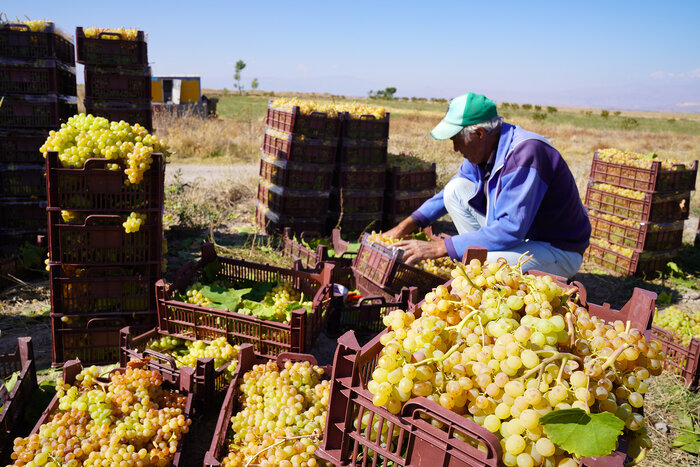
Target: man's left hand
[(416, 250)]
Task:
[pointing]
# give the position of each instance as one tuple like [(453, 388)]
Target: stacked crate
[(117, 76), (637, 225), (357, 194), (101, 277), (38, 91), (409, 183), (296, 168)]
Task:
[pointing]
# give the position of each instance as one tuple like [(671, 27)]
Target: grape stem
[(543, 363), (561, 369), (611, 359), (572, 330), (466, 276)]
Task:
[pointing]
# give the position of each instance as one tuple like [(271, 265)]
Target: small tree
[(254, 84), (551, 109), (527, 106), (240, 65), (604, 113)]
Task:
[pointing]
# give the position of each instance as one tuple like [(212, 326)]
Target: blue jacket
[(531, 195)]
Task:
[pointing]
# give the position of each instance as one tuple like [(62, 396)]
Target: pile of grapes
[(684, 324), (638, 160), (331, 109), (282, 416), (186, 353), (626, 192), (130, 420), (34, 25), (126, 34), (626, 252), (503, 349), (441, 267)]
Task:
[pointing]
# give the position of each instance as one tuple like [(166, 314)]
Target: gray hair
[(491, 126)]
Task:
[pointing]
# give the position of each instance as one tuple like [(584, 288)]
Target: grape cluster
[(615, 219), (503, 349), (601, 242), (331, 109), (126, 34), (280, 297), (626, 192), (441, 267), (282, 416), (186, 352), (194, 295), (34, 25), (129, 421), (685, 324), (638, 160), (134, 222)]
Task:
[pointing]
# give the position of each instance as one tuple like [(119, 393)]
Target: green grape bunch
[(684, 324)]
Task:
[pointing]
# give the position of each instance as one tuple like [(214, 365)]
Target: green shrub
[(527, 106), (551, 109), (604, 113), (539, 116), (628, 123)]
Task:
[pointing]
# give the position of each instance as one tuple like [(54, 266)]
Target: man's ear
[(481, 133)]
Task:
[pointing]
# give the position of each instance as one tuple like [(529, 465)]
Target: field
[(221, 209)]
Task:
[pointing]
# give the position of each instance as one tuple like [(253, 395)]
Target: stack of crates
[(296, 168), (637, 208), (101, 277), (357, 194), (38, 92), (117, 76), (410, 181)]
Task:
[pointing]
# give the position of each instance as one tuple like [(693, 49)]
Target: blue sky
[(634, 55)]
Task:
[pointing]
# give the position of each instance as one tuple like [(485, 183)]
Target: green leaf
[(210, 271), (583, 434), (664, 298), (689, 442), (10, 383), (258, 290), (223, 298), (421, 236), (260, 310)]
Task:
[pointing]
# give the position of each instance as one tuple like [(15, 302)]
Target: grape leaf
[(10, 383), (258, 290), (259, 310), (210, 271), (223, 298), (583, 434)]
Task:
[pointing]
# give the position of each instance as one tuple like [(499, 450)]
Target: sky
[(617, 55)]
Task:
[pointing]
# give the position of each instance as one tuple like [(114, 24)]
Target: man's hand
[(416, 250), (405, 227)]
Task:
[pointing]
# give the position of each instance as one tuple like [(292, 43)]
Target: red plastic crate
[(362, 152), (120, 83), (309, 151), (649, 180), (18, 41), (350, 201), (342, 261), (366, 127), (273, 222), (218, 447), (315, 125), (23, 180), (131, 112), (355, 223), (679, 359), (22, 146), (270, 338), (644, 236), (414, 178), (295, 175), (110, 49), (95, 188), (22, 214), (405, 202), (360, 177), (640, 263), (312, 203), (655, 207), (36, 111), (101, 241), (37, 77)]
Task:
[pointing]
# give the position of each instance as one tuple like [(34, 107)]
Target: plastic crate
[(36, 77), (640, 262), (652, 179), (414, 178), (350, 201), (655, 207), (36, 111), (22, 214), (679, 359), (18, 41), (360, 177), (362, 152), (73, 368), (355, 223), (270, 338), (218, 447), (125, 84), (366, 127), (22, 146), (405, 202), (95, 188), (22, 361), (641, 237), (110, 49), (100, 290), (309, 151), (295, 175), (273, 222), (130, 112), (101, 241), (307, 203), (315, 125), (22, 180), (342, 272), (95, 340)]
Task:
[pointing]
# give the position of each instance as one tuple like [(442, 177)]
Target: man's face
[(472, 147)]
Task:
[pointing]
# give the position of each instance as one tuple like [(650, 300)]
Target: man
[(513, 194)]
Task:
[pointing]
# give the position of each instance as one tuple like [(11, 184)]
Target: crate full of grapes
[(636, 235), (352, 201), (125, 47), (357, 126), (295, 175), (129, 111), (36, 111), (362, 152), (289, 116), (678, 331), (355, 223), (19, 146), (407, 172), (36, 77), (36, 40), (22, 181), (360, 177), (637, 205), (275, 222), (275, 309), (406, 202), (22, 214), (288, 202), (119, 83), (626, 261), (299, 148)]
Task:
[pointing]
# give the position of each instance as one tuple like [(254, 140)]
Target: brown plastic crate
[(644, 236), (362, 152), (102, 241), (649, 180), (22, 361), (22, 214), (18, 41), (270, 338), (22, 146), (273, 222), (405, 202), (342, 271), (414, 178), (95, 188), (307, 203), (295, 175), (366, 127), (110, 49), (100, 290), (73, 368), (360, 177), (308, 151), (655, 207), (218, 447), (315, 125), (22, 180), (355, 223), (679, 359), (350, 201), (36, 77), (36, 111), (131, 112), (120, 83), (640, 262)]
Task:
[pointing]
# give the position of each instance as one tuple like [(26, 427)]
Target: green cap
[(464, 110)]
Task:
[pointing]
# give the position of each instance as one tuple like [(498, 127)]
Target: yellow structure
[(176, 89)]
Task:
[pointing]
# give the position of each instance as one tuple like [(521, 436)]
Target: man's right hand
[(403, 229)]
